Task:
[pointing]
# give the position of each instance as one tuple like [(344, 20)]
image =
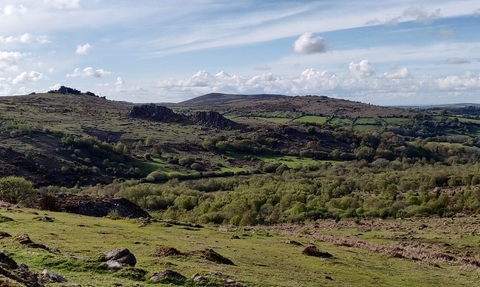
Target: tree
[(15, 190), (149, 141)]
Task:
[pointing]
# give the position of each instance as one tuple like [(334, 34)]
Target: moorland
[(389, 195)]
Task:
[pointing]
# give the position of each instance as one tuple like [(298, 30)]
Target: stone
[(23, 266), (7, 261), (167, 275), (117, 258), (199, 279), (49, 276), (112, 264)]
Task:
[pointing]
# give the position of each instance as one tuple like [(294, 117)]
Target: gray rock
[(23, 266), (128, 259), (199, 279), (112, 264), (167, 274), (49, 276), (122, 256)]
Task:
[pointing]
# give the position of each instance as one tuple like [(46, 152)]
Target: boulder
[(116, 259), (7, 261)]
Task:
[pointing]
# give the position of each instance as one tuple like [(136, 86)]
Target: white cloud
[(64, 4), (456, 60), (11, 10), (83, 49), (305, 44), (119, 82), (9, 60), (385, 88), (364, 69), (416, 14), (43, 39), (28, 77), (373, 22), (403, 73), (119, 85), (25, 38), (88, 72), (393, 21), (421, 15)]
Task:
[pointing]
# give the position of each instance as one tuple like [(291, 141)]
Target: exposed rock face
[(214, 119), (100, 206), (156, 113)]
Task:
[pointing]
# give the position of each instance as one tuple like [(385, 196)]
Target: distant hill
[(219, 98), (250, 105)]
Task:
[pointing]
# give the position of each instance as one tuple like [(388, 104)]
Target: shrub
[(48, 201), (15, 190)]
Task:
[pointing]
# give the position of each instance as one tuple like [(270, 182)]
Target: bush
[(48, 201), (15, 190)]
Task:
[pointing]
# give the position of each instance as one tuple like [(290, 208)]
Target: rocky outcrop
[(100, 206), (214, 119), (156, 113)]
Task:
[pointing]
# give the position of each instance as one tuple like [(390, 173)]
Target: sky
[(386, 52)]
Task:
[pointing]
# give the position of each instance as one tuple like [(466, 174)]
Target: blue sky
[(381, 52)]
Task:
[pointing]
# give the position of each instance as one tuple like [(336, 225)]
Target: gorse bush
[(15, 190)]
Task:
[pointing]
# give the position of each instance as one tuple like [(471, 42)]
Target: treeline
[(342, 190)]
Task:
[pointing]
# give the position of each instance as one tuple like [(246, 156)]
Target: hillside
[(81, 139), (219, 98), (300, 105), (261, 175), (261, 257)]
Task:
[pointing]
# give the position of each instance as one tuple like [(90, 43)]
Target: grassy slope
[(262, 258)]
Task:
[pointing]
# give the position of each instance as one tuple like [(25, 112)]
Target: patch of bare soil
[(166, 251)]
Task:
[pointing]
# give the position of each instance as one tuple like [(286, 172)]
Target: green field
[(311, 119), (261, 256), (396, 121), (466, 120), (274, 120), (366, 121), (341, 122)]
